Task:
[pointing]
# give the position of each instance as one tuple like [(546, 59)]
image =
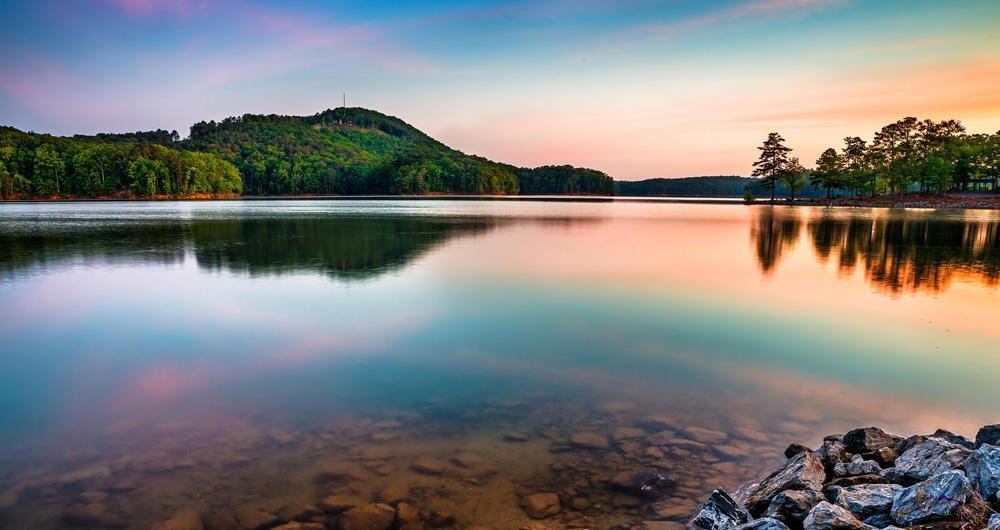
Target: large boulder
[(868, 440), (928, 456), (802, 472), (989, 434), (857, 466), (954, 438), (935, 499), (868, 502), (763, 524), (792, 506), (719, 512), (826, 516), (982, 468)]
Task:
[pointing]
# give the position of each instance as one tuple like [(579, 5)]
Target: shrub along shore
[(868, 479)]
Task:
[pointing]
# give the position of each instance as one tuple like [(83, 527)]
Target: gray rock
[(826, 516), (868, 502), (795, 449), (927, 457), (802, 472), (989, 434), (857, 466), (954, 438), (936, 498), (868, 440), (982, 468), (831, 453), (792, 506), (763, 524), (719, 512)]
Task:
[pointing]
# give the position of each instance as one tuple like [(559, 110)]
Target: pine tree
[(773, 160)]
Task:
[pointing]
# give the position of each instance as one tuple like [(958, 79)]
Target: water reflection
[(898, 251), (342, 247)]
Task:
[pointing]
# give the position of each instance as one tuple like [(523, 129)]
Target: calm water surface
[(246, 359)]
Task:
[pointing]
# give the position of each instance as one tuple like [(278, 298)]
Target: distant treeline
[(714, 186), (341, 151), (907, 155)]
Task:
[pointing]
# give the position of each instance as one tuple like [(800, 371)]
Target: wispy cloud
[(734, 14), (149, 8)]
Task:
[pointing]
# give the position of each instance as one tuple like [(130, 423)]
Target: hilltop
[(341, 151)]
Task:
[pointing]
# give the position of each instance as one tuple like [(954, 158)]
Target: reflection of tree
[(339, 246), (910, 254), (342, 247), (774, 231)]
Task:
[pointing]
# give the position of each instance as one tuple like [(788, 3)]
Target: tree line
[(40, 165), (907, 155)]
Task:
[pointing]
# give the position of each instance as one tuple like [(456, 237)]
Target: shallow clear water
[(237, 357)]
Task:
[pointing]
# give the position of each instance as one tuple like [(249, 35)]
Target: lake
[(246, 360)]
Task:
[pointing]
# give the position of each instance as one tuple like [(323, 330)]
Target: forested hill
[(338, 151), (714, 186)]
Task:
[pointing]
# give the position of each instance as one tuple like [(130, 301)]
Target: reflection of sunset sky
[(602, 297)]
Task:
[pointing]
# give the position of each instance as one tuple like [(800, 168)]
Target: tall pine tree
[(772, 162)]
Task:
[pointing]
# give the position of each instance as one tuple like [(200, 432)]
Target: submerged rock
[(642, 483), (868, 502), (589, 440), (719, 512), (826, 516), (541, 505), (368, 517), (929, 456), (937, 498), (802, 472), (186, 519), (982, 468), (705, 436), (792, 506)]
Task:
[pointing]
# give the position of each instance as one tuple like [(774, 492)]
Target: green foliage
[(748, 197), (772, 161), (794, 176), (829, 173), (40, 165), (564, 180)]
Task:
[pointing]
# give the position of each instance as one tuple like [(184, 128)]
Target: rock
[(394, 492), (673, 508), (252, 518), (661, 438), (868, 440), (857, 466), (440, 519), (831, 453), (802, 472), (295, 525), (845, 482), (541, 505), (826, 516), (628, 433), (937, 498), (589, 440), (516, 437), (982, 468), (868, 502), (660, 525), (792, 506), (795, 449), (731, 451), (886, 456), (954, 438), (367, 517), (927, 457), (339, 503), (341, 471), (749, 434), (427, 466), (186, 519), (719, 512), (657, 423), (642, 484), (92, 515), (989, 434), (766, 523), (705, 436)]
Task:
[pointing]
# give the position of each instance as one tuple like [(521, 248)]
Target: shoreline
[(868, 479), (989, 201)]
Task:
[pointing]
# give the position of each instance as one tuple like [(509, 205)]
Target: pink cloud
[(147, 8)]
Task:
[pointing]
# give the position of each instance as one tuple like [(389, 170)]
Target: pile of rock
[(869, 479)]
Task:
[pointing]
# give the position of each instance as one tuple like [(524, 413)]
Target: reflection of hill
[(910, 254), (342, 247), (774, 231)]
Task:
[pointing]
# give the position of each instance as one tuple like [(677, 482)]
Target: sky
[(635, 88)]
